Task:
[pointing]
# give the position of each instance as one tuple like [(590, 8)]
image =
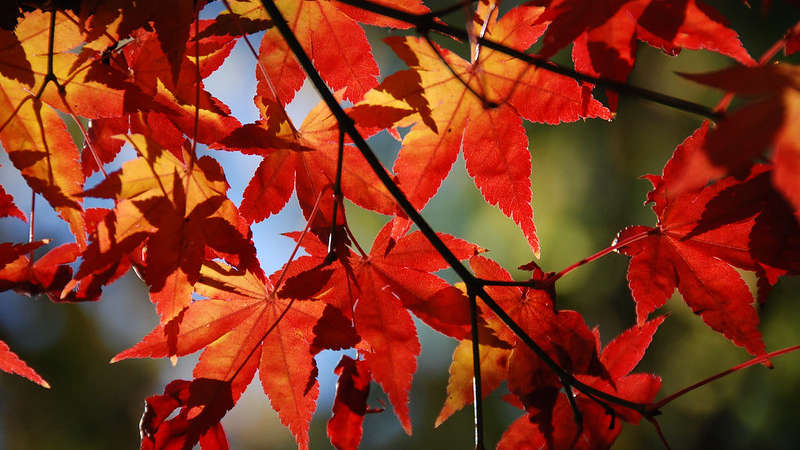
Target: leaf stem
[(615, 246), (425, 22), (476, 368), (337, 192), (264, 73), (299, 240), (31, 227), (754, 361)]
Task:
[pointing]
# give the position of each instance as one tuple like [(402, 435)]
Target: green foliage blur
[(586, 188)]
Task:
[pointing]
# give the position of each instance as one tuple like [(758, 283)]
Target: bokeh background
[(586, 187)]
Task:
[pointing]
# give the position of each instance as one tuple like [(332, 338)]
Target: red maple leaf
[(244, 327), (605, 32), (177, 209), (478, 106), (378, 290), (350, 404), (600, 427), (11, 363), (328, 31), (8, 208), (772, 119), (305, 160), (701, 234)]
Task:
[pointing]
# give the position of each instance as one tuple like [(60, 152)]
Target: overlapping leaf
[(177, 209), (378, 289), (305, 160), (605, 32), (478, 106), (243, 327), (769, 121), (701, 234)]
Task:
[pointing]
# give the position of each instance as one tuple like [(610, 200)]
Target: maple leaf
[(48, 275), (562, 334), (243, 328), (202, 402), (599, 428), (700, 235), (350, 404), (337, 43), (605, 38), (11, 363), (8, 208), (478, 106), (178, 101), (769, 121), (306, 159), (378, 289), (178, 210)]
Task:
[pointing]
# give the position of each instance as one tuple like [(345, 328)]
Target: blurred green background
[(586, 188)]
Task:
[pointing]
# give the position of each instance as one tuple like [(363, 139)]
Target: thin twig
[(449, 9), (31, 229), (476, 369), (337, 192), (615, 246), (752, 362), (527, 283)]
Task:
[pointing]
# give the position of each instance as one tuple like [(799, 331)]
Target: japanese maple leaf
[(244, 327), (599, 428), (350, 404), (8, 208), (48, 275), (179, 101), (771, 120), (32, 133), (11, 363), (605, 32), (378, 290), (170, 114), (305, 160), (478, 106), (329, 33), (700, 236), (561, 333), (201, 403), (88, 87), (178, 209)]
